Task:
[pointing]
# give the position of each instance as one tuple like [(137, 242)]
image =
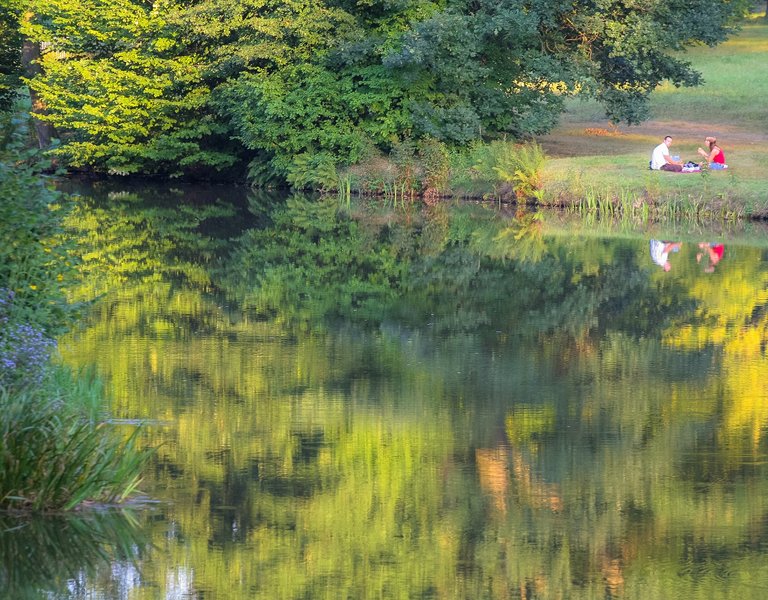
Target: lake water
[(447, 402)]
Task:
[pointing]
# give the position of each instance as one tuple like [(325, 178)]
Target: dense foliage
[(36, 263), (195, 87)]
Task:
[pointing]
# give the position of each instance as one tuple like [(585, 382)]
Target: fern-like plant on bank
[(317, 171), (520, 166)]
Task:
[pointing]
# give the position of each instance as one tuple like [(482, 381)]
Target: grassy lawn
[(588, 155)]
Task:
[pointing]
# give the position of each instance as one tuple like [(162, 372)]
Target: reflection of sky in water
[(180, 584), (578, 423)]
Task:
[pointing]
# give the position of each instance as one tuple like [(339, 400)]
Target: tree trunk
[(30, 56)]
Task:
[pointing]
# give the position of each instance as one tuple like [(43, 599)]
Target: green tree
[(127, 96)]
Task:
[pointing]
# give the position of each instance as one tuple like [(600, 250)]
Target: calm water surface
[(449, 403)]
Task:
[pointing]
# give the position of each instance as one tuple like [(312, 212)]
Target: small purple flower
[(24, 354)]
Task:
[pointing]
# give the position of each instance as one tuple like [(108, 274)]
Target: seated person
[(714, 253), (660, 252), (714, 155), (661, 160)]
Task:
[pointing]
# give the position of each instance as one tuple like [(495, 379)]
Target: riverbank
[(587, 155), (58, 449)]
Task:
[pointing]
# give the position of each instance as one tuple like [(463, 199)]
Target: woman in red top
[(713, 251), (714, 154)]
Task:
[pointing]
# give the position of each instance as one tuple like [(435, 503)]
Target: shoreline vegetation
[(59, 450), (587, 156), (422, 101), (586, 163)]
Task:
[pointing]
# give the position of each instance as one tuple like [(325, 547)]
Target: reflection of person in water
[(713, 252), (660, 252)]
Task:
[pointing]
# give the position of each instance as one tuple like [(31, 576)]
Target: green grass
[(735, 83), (587, 154)]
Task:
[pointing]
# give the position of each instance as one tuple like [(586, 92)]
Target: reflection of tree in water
[(507, 476), (492, 469), (336, 428)]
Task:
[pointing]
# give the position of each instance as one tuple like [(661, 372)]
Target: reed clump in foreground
[(57, 454)]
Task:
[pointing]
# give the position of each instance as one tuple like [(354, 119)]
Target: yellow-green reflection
[(447, 404)]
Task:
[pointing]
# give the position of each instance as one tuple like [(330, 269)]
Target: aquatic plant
[(626, 205), (54, 455)]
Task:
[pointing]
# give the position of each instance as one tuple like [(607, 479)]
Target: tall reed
[(56, 454), (627, 205)]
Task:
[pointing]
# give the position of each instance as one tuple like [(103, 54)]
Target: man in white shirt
[(661, 160), (660, 252)]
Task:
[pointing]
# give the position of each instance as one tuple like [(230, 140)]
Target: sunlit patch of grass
[(628, 174), (735, 83), (730, 106)]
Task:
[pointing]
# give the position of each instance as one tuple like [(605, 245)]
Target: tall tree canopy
[(178, 86)]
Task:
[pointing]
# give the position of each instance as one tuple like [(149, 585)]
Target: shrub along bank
[(500, 170), (57, 451)]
